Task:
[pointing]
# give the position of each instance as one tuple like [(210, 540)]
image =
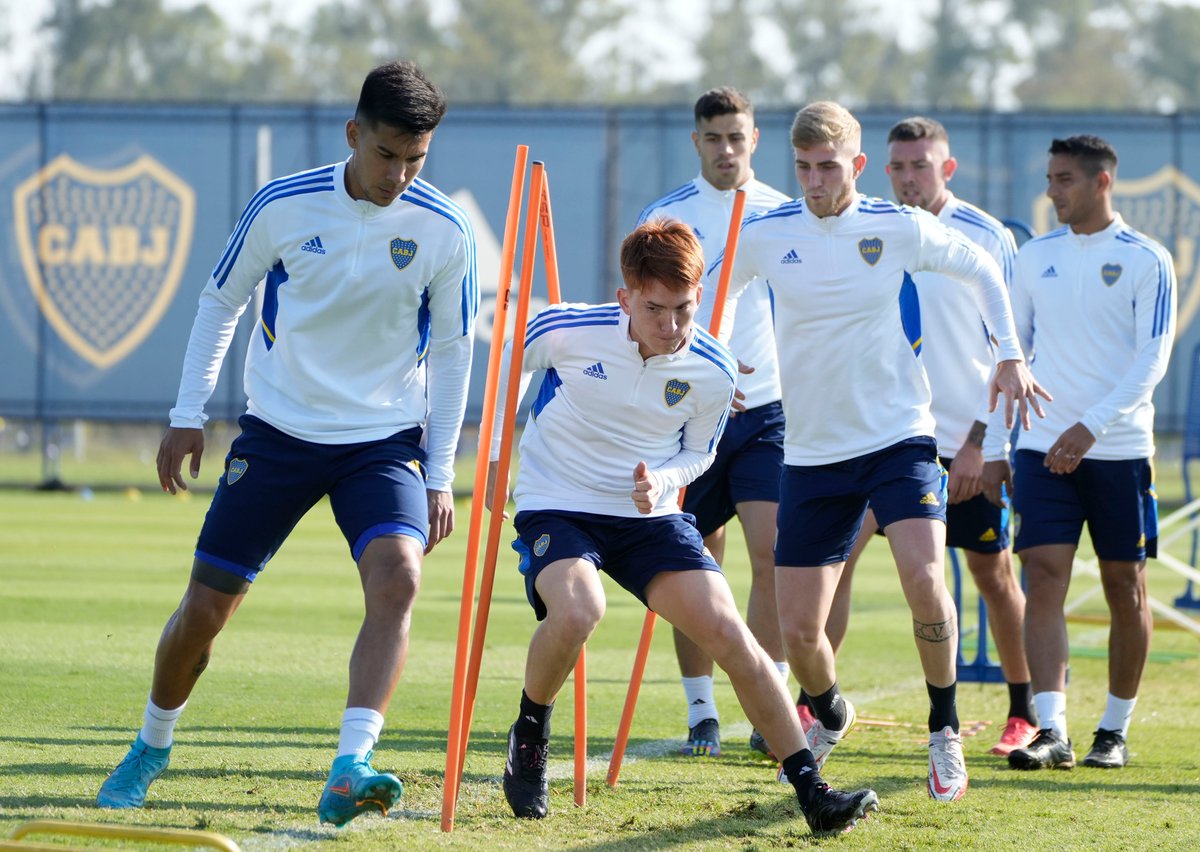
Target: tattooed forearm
[(975, 436), (939, 631)]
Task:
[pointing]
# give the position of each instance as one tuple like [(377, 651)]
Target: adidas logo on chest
[(314, 246), (596, 371)]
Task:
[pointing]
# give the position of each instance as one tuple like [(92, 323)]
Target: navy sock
[(534, 721), (1020, 702), (943, 709), (829, 708)]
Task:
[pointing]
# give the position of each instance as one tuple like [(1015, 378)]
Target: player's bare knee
[(578, 619), (801, 639), (1124, 589)]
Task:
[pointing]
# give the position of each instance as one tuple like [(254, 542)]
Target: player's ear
[(949, 167), (623, 299), (860, 163), (352, 134)]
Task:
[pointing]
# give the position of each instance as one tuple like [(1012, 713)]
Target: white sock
[(361, 727), (701, 704), (784, 669), (1052, 711), (158, 725), (1117, 713)]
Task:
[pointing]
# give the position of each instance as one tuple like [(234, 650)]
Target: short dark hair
[(663, 250), (399, 95), (723, 100), (1093, 153), (917, 127)]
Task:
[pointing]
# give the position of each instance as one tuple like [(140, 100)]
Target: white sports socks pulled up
[(701, 704), (1052, 711), (1117, 714), (158, 725), (361, 727)]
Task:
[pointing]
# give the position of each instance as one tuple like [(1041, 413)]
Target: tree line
[(969, 54)]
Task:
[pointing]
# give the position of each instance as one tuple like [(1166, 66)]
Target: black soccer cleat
[(525, 784), (703, 740), (833, 812), (1108, 750), (1047, 751)]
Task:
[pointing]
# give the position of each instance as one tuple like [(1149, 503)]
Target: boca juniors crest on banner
[(103, 250), (1165, 206)]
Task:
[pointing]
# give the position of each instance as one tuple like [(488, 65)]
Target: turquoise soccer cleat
[(354, 787), (126, 786)]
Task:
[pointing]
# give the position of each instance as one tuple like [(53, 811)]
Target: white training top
[(955, 348), (851, 385), (707, 210), (1098, 313), (359, 300), (601, 409)]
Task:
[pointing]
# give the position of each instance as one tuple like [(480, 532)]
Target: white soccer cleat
[(821, 740), (947, 768)]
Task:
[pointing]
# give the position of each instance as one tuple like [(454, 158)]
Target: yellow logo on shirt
[(403, 251), (930, 499), (675, 391), (1110, 272), (1142, 541), (990, 535), (871, 250)]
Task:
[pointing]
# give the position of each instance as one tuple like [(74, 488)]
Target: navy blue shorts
[(977, 524), (1115, 498), (821, 507), (272, 479), (633, 551), (748, 465)]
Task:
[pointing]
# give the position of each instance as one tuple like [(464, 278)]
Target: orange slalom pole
[(550, 253), (581, 728), (643, 649), (507, 254), (502, 465)]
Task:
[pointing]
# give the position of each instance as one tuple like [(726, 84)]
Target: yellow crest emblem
[(103, 250)]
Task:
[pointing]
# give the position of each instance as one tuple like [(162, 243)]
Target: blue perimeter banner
[(119, 212)]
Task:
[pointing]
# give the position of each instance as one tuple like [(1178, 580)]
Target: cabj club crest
[(403, 251), (675, 391), (870, 250), (103, 250), (1165, 206)]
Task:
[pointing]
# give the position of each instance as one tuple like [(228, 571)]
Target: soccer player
[(744, 479), (1094, 301), (958, 359), (357, 379), (631, 408), (857, 406)]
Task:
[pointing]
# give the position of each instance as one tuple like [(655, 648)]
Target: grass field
[(87, 580)]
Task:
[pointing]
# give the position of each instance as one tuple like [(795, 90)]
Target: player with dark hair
[(836, 262), (631, 408), (744, 479), (1095, 303), (356, 378)]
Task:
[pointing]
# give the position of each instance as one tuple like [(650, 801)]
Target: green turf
[(86, 582)]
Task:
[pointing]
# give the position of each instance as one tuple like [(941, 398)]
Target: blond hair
[(826, 123)]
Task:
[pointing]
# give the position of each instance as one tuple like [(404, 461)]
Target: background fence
[(119, 212)]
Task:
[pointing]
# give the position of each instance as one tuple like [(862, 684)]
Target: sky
[(661, 21)]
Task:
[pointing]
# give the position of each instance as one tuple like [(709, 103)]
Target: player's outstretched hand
[(738, 396), (176, 444), (646, 489), (441, 516), (1013, 379)]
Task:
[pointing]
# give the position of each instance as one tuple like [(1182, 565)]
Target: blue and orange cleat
[(354, 787)]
